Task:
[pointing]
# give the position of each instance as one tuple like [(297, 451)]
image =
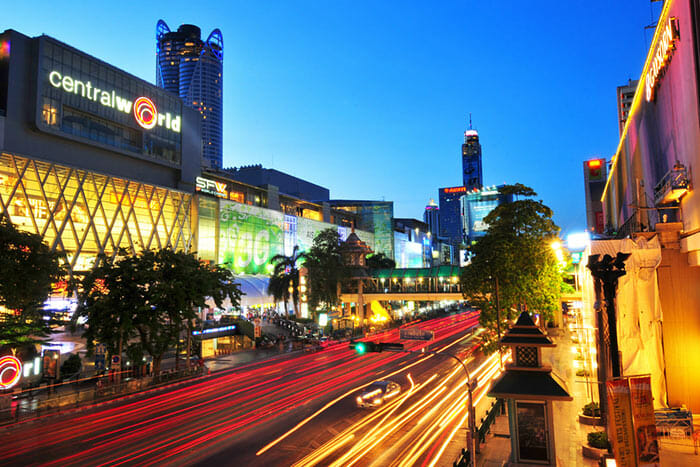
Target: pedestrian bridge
[(419, 284)]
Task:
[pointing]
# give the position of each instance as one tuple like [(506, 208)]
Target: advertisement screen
[(248, 237)]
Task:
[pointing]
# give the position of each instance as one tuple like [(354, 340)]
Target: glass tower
[(472, 175), (193, 69)]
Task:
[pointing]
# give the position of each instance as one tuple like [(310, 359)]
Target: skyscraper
[(193, 69), (625, 96), (472, 174), (431, 216)]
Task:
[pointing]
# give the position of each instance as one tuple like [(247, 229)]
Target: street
[(298, 409)]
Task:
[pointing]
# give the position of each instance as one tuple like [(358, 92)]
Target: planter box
[(592, 421), (593, 453)]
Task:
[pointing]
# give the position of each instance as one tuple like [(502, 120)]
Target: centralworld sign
[(662, 57), (144, 110)]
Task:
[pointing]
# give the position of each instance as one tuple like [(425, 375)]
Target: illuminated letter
[(201, 183), (262, 247), (175, 124), (123, 105), (79, 84), (161, 119), (104, 99), (94, 96), (67, 83), (57, 76)]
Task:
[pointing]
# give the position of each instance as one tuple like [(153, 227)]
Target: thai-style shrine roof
[(534, 385), (526, 333)]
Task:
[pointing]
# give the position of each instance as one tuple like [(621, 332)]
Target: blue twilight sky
[(371, 99)]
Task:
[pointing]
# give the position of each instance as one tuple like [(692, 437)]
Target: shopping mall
[(95, 159), (651, 206)]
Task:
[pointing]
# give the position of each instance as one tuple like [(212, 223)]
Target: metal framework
[(82, 213)]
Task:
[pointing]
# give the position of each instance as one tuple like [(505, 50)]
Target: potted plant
[(597, 446), (590, 415)]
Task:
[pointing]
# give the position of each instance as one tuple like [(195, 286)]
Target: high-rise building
[(431, 216), (472, 173), (594, 176), (625, 96), (193, 69)]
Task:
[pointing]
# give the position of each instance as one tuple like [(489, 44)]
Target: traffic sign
[(100, 349), (116, 361), (416, 334)]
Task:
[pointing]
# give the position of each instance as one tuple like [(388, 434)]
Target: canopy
[(254, 288)]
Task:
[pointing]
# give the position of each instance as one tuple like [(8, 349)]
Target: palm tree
[(284, 281)]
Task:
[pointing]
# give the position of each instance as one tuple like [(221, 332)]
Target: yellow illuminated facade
[(82, 213)]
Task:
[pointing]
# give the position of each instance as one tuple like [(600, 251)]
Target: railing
[(486, 422), (33, 403), (428, 285), (672, 185)]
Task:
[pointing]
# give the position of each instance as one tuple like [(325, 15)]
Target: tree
[(326, 269), (379, 261), (151, 298), (28, 269), (285, 276), (515, 255)]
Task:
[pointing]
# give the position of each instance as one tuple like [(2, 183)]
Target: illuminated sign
[(456, 189), (10, 371), (211, 186), (662, 56), (144, 109)]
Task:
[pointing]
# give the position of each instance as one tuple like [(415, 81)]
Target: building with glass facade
[(193, 69), (472, 171), (91, 157), (475, 205), (372, 216)]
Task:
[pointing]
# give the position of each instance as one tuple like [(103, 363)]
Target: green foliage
[(379, 261), (28, 268), (598, 439), (285, 275), (516, 251), (326, 269), (245, 327), (150, 297), (71, 366), (592, 409)]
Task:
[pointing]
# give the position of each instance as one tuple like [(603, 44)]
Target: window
[(49, 112)]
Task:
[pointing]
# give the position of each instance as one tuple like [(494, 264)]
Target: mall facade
[(95, 159), (650, 197)]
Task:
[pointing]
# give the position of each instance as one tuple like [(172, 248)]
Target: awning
[(254, 288)]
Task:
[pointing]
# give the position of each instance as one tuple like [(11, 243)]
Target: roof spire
[(470, 120)]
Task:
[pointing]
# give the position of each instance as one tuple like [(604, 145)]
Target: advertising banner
[(644, 422), (248, 237), (620, 419)]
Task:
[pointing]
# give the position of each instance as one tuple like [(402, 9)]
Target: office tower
[(625, 96), (431, 216), (193, 69), (594, 176), (472, 174)]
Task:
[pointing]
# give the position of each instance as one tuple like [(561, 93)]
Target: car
[(377, 393)]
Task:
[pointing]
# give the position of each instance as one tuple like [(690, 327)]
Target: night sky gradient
[(371, 99)]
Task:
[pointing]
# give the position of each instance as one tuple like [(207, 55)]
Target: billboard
[(249, 236)]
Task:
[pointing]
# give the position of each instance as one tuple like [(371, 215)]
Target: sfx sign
[(218, 189)]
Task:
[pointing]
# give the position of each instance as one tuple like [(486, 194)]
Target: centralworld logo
[(143, 108), (145, 112)]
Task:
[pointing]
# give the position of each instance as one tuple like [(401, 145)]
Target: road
[(296, 410)]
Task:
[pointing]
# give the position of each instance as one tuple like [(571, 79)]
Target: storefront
[(650, 190), (91, 157)]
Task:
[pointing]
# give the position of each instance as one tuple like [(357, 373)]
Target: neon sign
[(456, 189), (662, 57), (10, 371), (212, 187), (145, 111)]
